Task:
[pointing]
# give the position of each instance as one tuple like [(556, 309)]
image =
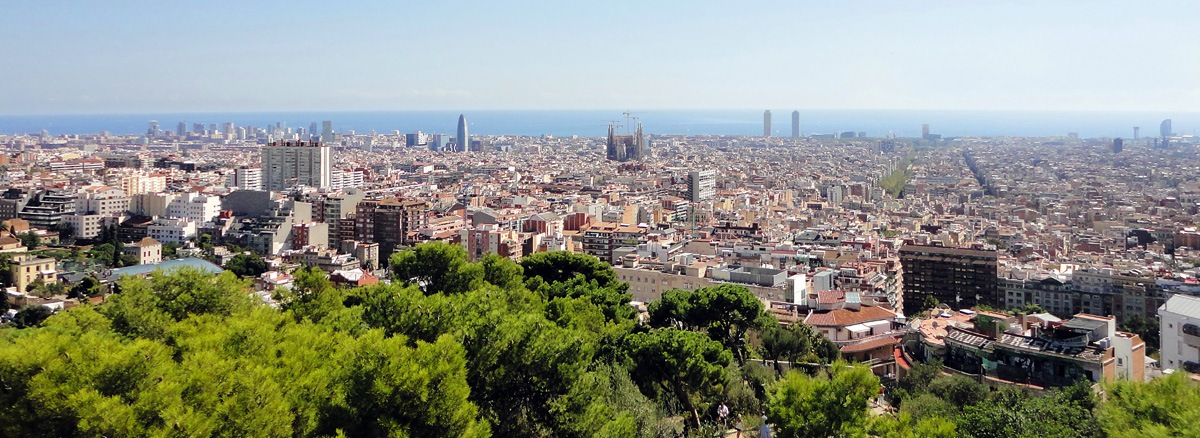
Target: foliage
[(30, 240), (247, 265), (822, 406), (436, 267), (684, 364), (1167, 406), (31, 315), (1146, 328), (562, 266), (88, 287), (726, 312)]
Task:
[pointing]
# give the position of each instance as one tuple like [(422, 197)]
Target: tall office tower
[(246, 178), (1117, 145), (327, 132), (701, 185), (312, 128), (212, 128), (626, 147), (925, 131), (414, 139), (1164, 130), (795, 124), (152, 130), (181, 129), (1135, 132), (767, 123), (958, 277), (464, 139), (291, 163), (228, 128), (198, 128)]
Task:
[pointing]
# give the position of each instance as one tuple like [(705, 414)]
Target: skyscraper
[(152, 130), (1164, 130), (181, 129), (767, 123), (795, 124), (701, 185), (464, 139), (327, 132), (292, 163), (925, 131)]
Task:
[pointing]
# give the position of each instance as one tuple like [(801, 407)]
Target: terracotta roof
[(870, 345), (830, 296), (146, 241), (845, 317)]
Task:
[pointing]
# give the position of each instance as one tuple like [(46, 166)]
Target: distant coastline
[(593, 123)]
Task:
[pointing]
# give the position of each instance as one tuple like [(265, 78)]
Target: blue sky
[(154, 56)]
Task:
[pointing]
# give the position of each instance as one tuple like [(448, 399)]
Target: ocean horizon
[(594, 123)]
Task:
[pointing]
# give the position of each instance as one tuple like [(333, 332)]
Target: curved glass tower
[(464, 141)]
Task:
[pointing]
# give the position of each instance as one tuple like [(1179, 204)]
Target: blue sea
[(875, 123)]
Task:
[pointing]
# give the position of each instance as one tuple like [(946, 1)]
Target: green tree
[(684, 364), (1167, 406), (831, 404), (147, 307), (436, 267), (502, 272), (247, 265), (30, 240), (88, 287), (103, 254), (1146, 328), (726, 312), (31, 315), (562, 266), (784, 343)]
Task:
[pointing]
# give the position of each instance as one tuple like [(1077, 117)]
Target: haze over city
[(137, 57)]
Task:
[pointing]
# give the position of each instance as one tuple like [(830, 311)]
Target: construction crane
[(628, 126)]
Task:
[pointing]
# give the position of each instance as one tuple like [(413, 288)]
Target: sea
[(594, 123)]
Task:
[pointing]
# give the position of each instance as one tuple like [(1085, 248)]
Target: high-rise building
[(1117, 145), (464, 140), (152, 130), (925, 130), (292, 163), (795, 124), (767, 123), (1164, 131), (327, 132), (391, 222), (702, 185), (246, 178), (958, 277), (626, 147), (181, 129), (414, 139), (312, 128), (1135, 132)]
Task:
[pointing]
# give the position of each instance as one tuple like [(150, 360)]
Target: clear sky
[(174, 56)]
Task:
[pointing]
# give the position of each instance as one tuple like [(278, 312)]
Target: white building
[(346, 179), (246, 178), (196, 207), (288, 164), (1179, 322), (95, 208), (139, 183), (171, 230), (702, 185)]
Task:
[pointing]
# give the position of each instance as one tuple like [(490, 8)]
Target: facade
[(767, 123), (27, 269), (392, 223), (171, 230), (196, 207), (346, 179), (626, 147), (288, 164), (602, 239), (143, 183), (148, 251), (1179, 325), (701, 185), (795, 124), (47, 209), (958, 277), (246, 178), (488, 239), (464, 139)]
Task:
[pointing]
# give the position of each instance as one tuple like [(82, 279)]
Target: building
[(489, 239), (246, 178), (27, 269), (701, 185), (346, 179), (97, 207), (602, 239), (626, 147), (464, 139), (148, 251), (327, 132), (195, 207), (1118, 145), (958, 277), (47, 209), (1164, 131), (1179, 325), (291, 163), (767, 123), (171, 230), (392, 223), (795, 124), (139, 183)]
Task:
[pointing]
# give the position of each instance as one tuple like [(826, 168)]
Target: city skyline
[(125, 57)]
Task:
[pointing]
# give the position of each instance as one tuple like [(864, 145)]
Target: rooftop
[(168, 266)]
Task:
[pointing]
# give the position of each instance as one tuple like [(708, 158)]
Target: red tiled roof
[(845, 317), (870, 345)]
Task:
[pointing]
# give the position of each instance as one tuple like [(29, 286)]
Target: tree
[(780, 342), (31, 315), (726, 312), (30, 240), (831, 404), (88, 287), (562, 266), (1167, 406), (436, 267), (687, 365), (502, 272), (1146, 328), (103, 254), (247, 265)]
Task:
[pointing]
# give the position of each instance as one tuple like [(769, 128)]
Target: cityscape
[(594, 272)]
